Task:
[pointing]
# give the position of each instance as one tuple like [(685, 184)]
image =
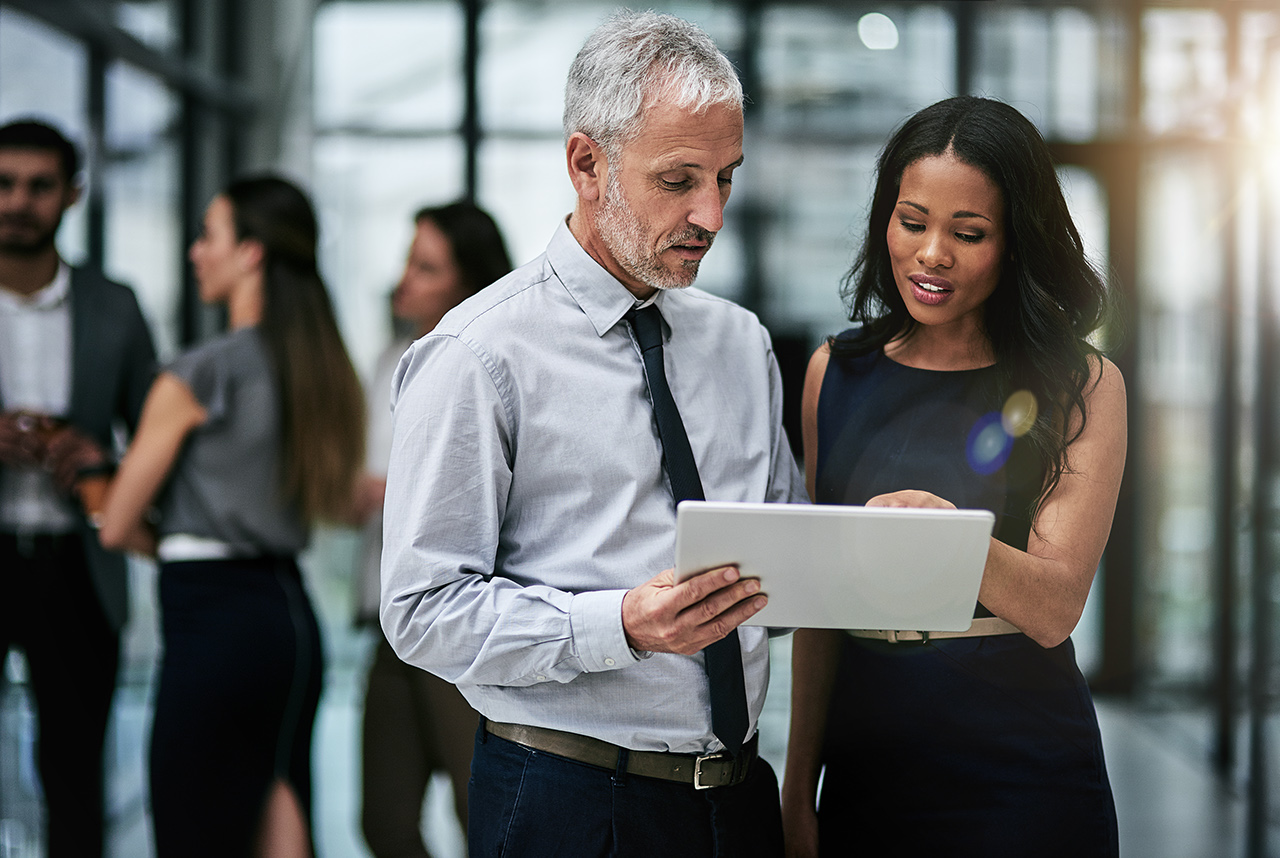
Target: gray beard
[(621, 232)]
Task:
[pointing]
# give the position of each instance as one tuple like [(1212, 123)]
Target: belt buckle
[(697, 769)]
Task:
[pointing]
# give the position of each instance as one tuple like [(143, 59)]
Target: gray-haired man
[(533, 482)]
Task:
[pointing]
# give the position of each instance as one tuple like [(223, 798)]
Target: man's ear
[(74, 192), (588, 167)]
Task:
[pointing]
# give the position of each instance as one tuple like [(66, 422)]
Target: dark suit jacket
[(113, 362)]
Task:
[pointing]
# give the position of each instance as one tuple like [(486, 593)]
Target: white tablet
[(844, 567)]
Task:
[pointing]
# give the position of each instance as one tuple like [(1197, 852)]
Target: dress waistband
[(185, 546), (980, 627)]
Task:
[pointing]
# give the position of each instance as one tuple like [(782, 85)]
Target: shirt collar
[(600, 295), (45, 298)]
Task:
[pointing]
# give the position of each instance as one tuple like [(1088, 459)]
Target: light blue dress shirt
[(526, 495)]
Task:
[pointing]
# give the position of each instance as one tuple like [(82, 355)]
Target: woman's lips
[(930, 290)]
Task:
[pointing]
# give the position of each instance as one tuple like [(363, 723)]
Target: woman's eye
[(970, 237), (911, 226)]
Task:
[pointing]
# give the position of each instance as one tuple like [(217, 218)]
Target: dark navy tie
[(723, 659)]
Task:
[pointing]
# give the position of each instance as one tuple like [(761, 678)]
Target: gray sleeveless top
[(225, 483)]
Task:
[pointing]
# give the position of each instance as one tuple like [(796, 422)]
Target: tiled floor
[(1170, 805)]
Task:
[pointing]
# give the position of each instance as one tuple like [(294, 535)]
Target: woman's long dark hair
[(322, 404), (477, 244), (1049, 298)]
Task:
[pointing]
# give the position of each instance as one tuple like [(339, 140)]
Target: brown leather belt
[(699, 771), (981, 626)]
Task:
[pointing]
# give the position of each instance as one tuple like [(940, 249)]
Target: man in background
[(76, 360)]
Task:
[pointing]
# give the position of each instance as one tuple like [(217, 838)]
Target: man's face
[(33, 196), (664, 202)]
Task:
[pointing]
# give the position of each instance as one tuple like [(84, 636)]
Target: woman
[(415, 723), (968, 381), (243, 441)]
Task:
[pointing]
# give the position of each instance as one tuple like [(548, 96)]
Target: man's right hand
[(663, 616), (21, 438)]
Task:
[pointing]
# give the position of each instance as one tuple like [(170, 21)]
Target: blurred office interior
[(1164, 118)]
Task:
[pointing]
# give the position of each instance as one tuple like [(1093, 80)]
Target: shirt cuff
[(596, 620)]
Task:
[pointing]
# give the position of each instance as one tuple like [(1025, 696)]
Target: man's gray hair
[(630, 61)]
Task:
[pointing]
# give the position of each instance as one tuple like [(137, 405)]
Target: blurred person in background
[(244, 441), (76, 359), (415, 723)]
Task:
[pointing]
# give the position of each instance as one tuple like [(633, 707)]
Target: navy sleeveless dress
[(985, 746)]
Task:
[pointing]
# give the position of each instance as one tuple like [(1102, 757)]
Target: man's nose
[(15, 197), (708, 208)]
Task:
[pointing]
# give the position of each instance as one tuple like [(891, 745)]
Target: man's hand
[(22, 437), (663, 616), (68, 452)]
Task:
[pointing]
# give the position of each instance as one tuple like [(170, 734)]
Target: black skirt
[(975, 746), (239, 685)]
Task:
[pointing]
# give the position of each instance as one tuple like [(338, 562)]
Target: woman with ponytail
[(244, 441)]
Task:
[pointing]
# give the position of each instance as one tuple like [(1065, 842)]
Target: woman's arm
[(1042, 590), (168, 416), (814, 658)]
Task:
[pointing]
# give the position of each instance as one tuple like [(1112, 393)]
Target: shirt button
[(541, 678), (610, 662)]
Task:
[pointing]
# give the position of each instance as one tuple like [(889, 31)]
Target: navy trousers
[(537, 805)]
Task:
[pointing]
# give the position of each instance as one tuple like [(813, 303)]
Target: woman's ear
[(588, 167), (251, 253)]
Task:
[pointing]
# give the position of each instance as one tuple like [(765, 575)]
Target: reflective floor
[(1169, 802)]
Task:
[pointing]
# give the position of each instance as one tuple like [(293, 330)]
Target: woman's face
[(219, 259), (431, 284), (947, 242)]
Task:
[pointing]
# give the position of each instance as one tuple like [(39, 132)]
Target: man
[(532, 487), (76, 360)]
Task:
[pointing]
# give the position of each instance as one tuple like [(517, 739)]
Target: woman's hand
[(911, 498)]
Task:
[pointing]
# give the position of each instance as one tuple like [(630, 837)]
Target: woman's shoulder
[(854, 349), (222, 347), (1106, 382), (213, 363)]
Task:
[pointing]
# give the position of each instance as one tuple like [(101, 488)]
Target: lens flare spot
[(989, 444), (1019, 413)]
